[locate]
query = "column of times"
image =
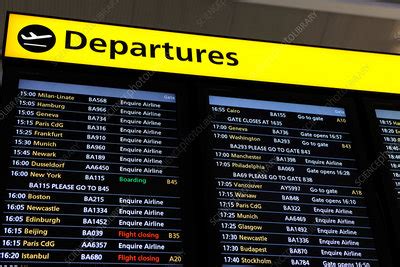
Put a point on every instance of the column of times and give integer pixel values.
(285, 186)
(389, 125)
(92, 179)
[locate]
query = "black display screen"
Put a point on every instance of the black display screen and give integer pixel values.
(389, 126)
(286, 195)
(92, 178)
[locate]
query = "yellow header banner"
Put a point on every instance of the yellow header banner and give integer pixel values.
(68, 41)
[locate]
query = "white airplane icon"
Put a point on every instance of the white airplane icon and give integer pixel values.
(33, 36)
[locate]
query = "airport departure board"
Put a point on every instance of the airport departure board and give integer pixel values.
(389, 125)
(285, 186)
(92, 178)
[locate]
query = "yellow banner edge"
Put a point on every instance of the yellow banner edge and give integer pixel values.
(378, 83)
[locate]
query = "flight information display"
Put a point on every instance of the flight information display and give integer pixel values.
(92, 178)
(285, 186)
(389, 125)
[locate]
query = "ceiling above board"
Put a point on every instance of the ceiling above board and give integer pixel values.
(367, 8)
